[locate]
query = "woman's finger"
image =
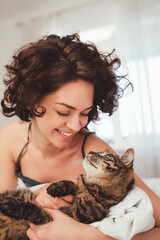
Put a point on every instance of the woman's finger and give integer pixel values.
(68, 198)
(47, 202)
(55, 214)
(31, 233)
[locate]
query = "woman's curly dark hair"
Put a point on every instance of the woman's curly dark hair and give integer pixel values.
(43, 67)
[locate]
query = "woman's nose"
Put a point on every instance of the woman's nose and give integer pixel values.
(74, 123)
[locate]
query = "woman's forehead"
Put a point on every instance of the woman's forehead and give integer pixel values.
(73, 94)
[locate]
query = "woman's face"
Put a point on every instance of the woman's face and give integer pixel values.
(67, 112)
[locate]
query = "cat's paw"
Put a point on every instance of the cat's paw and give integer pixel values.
(9, 207)
(62, 188)
(26, 210)
(54, 190)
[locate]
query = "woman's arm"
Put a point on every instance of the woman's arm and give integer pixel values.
(8, 179)
(64, 228)
(153, 197)
(152, 234)
(155, 232)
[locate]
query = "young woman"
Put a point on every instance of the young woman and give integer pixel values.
(56, 86)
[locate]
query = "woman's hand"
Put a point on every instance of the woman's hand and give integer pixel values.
(45, 200)
(64, 228)
(61, 228)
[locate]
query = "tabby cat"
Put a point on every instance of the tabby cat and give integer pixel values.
(107, 180)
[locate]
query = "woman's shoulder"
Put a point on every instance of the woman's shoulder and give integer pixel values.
(13, 134)
(13, 129)
(94, 143)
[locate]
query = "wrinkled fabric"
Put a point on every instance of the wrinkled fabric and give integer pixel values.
(129, 217)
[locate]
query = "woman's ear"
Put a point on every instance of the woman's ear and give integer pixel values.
(39, 110)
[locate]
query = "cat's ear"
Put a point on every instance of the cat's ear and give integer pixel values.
(128, 158)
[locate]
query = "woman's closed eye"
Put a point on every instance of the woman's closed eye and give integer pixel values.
(67, 114)
(85, 113)
(63, 114)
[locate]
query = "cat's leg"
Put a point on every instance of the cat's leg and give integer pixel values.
(13, 229)
(62, 188)
(85, 210)
(24, 210)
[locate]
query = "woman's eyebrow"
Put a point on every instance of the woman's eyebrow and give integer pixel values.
(71, 107)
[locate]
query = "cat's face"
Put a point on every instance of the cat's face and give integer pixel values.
(106, 165)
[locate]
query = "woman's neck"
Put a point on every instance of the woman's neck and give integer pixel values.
(41, 144)
(46, 148)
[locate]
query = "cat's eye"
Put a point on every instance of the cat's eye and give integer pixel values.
(112, 169)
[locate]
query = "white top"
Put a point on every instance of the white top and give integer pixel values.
(129, 217)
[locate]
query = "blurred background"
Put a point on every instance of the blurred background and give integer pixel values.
(132, 27)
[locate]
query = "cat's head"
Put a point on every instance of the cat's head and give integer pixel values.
(102, 165)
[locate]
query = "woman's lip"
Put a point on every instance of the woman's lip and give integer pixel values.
(64, 134)
(65, 131)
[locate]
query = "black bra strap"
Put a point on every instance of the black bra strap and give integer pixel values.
(84, 141)
(17, 163)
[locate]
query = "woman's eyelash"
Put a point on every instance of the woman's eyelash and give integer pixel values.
(85, 114)
(62, 114)
(66, 114)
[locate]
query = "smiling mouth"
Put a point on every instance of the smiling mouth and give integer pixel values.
(65, 133)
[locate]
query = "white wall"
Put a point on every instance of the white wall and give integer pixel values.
(23, 30)
(133, 28)
(10, 41)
